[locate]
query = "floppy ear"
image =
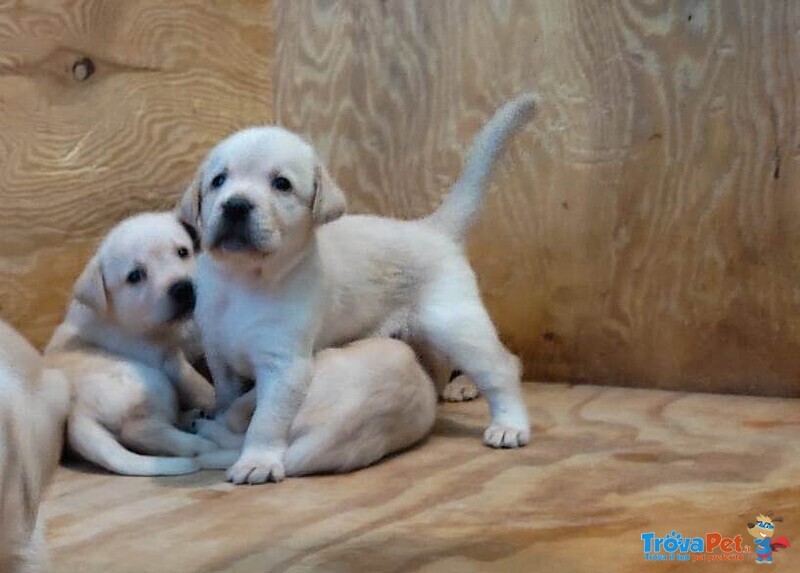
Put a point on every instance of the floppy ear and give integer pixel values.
(188, 209)
(90, 288)
(329, 202)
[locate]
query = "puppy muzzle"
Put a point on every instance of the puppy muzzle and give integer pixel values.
(237, 230)
(183, 298)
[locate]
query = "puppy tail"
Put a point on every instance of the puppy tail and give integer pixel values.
(218, 459)
(462, 204)
(96, 444)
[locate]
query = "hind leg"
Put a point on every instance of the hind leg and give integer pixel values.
(453, 320)
(435, 364)
(156, 437)
(228, 431)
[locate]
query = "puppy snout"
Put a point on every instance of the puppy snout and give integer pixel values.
(237, 208)
(182, 292)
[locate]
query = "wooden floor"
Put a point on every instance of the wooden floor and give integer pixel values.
(605, 465)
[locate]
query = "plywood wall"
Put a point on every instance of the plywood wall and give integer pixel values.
(105, 110)
(645, 230)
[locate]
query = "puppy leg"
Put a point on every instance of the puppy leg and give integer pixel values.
(228, 432)
(226, 383)
(156, 437)
(32, 557)
(453, 320)
(194, 391)
(280, 389)
(436, 364)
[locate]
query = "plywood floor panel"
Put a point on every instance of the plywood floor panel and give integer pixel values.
(605, 465)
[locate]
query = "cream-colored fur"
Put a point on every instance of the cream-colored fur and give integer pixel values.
(282, 275)
(365, 401)
(33, 408)
(120, 348)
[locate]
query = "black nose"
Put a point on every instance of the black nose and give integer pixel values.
(182, 292)
(236, 208)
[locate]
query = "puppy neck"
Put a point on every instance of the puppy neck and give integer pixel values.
(86, 327)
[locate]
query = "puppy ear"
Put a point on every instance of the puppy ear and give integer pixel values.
(329, 201)
(90, 288)
(192, 232)
(188, 209)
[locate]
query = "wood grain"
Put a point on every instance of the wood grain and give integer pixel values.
(105, 110)
(605, 465)
(644, 230)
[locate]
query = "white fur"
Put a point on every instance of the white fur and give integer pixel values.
(284, 284)
(121, 351)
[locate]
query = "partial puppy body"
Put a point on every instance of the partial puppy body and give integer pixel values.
(282, 275)
(365, 401)
(120, 348)
(33, 408)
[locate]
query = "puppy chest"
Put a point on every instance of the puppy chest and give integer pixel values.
(243, 329)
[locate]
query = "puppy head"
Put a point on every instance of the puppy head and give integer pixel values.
(141, 277)
(259, 195)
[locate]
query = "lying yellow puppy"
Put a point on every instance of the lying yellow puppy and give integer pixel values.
(120, 347)
(365, 401)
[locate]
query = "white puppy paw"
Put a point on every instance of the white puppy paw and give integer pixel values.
(257, 467)
(460, 389)
(503, 436)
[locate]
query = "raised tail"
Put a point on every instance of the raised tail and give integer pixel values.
(462, 204)
(96, 444)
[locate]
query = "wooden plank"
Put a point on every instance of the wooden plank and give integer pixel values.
(604, 466)
(78, 153)
(644, 230)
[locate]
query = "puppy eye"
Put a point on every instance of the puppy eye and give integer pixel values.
(136, 276)
(281, 184)
(219, 180)
(183, 252)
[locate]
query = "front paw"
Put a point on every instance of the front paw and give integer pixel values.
(257, 467)
(505, 436)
